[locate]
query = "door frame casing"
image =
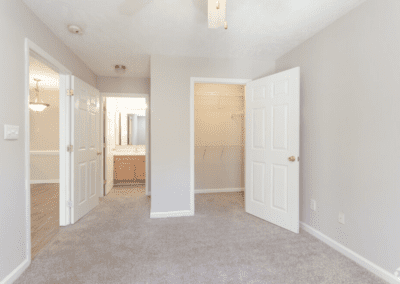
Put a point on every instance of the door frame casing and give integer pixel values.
(130, 95)
(194, 80)
(64, 106)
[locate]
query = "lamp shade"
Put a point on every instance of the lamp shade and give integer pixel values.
(37, 106)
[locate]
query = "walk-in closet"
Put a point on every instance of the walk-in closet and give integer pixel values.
(219, 137)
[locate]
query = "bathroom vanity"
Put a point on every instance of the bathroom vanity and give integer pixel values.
(129, 166)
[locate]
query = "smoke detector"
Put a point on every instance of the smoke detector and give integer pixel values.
(75, 30)
(120, 69)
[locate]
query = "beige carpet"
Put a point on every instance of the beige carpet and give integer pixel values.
(127, 191)
(118, 243)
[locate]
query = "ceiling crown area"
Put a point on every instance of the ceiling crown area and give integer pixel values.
(128, 32)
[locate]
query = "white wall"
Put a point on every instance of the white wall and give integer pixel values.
(18, 22)
(170, 133)
(350, 130)
(123, 85)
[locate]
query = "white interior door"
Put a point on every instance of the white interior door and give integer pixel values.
(85, 138)
(272, 148)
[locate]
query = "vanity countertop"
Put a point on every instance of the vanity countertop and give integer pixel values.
(129, 151)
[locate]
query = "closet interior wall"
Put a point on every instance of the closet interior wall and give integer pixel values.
(219, 136)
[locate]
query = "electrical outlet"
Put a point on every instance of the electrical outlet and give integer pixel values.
(341, 218)
(313, 204)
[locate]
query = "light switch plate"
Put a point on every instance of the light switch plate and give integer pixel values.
(11, 132)
(341, 218)
(313, 204)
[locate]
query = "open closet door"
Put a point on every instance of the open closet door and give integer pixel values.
(85, 138)
(272, 148)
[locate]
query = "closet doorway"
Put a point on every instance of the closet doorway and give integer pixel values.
(266, 158)
(219, 137)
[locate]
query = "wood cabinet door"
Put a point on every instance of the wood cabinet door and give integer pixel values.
(129, 169)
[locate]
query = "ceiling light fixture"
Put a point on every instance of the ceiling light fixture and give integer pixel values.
(120, 69)
(37, 105)
(217, 14)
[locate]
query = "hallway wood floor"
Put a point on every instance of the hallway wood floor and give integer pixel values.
(118, 243)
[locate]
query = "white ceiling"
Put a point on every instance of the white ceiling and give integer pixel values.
(129, 31)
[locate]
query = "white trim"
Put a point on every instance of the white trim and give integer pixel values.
(45, 181)
(63, 72)
(191, 145)
(110, 184)
(46, 153)
(375, 269)
(65, 157)
(218, 190)
(102, 162)
(182, 213)
(397, 273)
(194, 80)
(10, 278)
(226, 81)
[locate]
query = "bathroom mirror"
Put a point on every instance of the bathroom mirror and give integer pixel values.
(132, 129)
(136, 129)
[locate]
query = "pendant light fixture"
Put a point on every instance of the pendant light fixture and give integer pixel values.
(217, 14)
(37, 105)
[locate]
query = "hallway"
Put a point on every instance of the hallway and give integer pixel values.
(118, 243)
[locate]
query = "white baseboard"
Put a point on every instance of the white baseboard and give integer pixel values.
(375, 269)
(182, 213)
(10, 278)
(217, 190)
(109, 186)
(45, 181)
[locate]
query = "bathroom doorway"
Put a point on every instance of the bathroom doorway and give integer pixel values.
(126, 141)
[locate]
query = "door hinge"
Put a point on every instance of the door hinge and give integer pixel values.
(69, 204)
(70, 92)
(70, 148)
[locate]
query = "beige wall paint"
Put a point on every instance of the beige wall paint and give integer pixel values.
(44, 125)
(45, 167)
(170, 120)
(219, 136)
(17, 23)
(214, 106)
(123, 85)
(350, 130)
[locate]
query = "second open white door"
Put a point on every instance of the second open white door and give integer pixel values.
(272, 148)
(85, 138)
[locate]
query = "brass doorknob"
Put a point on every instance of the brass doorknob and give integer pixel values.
(292, 159)
(99, 153)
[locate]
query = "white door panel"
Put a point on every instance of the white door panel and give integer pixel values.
(272, 136)
(86, 178)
